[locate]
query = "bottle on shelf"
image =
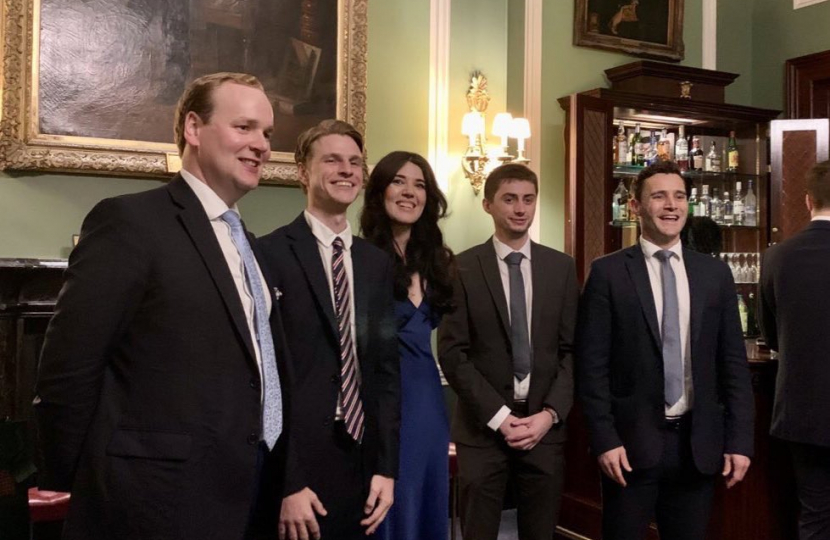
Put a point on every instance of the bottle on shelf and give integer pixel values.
(713, 159)
(732, 154)
(696, 155)
(738, 206)
(651, 151)
(743, 312)
(638, 144)
(621, 144)
(726, 214)
(750, 207)
(716, 207)
(693, 203)
(664, 146)
(752, 328)
(619, 203)
(629, 157)
(705, 205)
(681, 150)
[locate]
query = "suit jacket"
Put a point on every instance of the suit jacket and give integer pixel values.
(620, 362)
(148, 391)
(794, 316)
(474, 346)
(293, 256)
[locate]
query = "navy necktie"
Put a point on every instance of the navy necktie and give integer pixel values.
(519, 338)
(272, 395)
(672, 349)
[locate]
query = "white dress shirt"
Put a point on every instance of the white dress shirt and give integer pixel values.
(214, 208)
(686, 400)
(325, 238)
(820, 218)
(520, 388)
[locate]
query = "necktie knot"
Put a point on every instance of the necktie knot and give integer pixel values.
(338, 244)
(664, 255)
(232, 218)
(514, 259)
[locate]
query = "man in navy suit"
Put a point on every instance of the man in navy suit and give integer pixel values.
(795, 317)
(158, 400)
(662, 372)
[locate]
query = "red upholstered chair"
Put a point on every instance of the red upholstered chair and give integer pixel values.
(47, 505)
(453, 462)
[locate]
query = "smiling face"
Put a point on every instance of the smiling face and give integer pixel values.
(229, 150)
(406, 195)
(332, 174)
(662, 208)
(512, 208)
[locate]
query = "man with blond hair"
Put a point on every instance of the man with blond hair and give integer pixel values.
(158, 398)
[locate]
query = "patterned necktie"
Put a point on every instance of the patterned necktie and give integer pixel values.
(518, 317)
(672, 350)
(349, 383)
(272, 395)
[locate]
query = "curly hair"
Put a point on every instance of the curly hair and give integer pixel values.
(425, 251)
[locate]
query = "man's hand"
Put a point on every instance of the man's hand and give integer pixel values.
(734, 468)
(529, 431)
(612, 464)
(507, 428)
(297, 516)
(381, 497)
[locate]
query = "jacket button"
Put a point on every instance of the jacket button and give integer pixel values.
(255, 384)
(253, 438)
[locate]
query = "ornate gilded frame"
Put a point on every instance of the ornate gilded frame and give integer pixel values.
(672, 50)
(23, 147)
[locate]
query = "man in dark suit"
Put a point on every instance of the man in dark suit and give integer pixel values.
(795, 319)
(337, 304)
(158, 397)
(506, 351)
(662, 372)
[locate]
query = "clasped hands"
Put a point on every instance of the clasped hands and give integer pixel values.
(298, 515)
(525, 433)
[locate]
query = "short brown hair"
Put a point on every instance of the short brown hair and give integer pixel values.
(818, 185)
(508, 173)
(661, 167)
(198, 98)
(326, 127)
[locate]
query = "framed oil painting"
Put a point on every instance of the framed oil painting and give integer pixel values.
(91, 87)
(647, 28)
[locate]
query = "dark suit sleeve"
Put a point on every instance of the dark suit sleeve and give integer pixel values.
(388, 375)
(593, 357)
(104, 284)
(561, 393)
(734, 381)
(766, 302)
(453, 354)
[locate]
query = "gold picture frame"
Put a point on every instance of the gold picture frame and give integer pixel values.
(25, 147)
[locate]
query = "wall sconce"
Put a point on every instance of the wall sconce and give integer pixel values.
(478, 161)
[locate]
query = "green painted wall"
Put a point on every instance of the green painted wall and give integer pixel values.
(779, 33)
(735, 44)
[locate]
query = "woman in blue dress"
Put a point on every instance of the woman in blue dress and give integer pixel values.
(402, 207)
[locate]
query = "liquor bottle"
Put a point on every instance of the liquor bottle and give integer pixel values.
(693, 203)
(705, 205)
(738, 205)
(727, 213)
(743, 313)
(681, 150)
(752, 329)
(716, 207)
(664, 149)
(750, 207)
(629, 157)
(713, 159)
(638, 144)
(732, 155)
(651, 151)
(621, 155)
(696, 155)
(619, 203)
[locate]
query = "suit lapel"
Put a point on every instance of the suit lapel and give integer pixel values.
(304, 246)
(361, 288)
(490, 269)
(636, 265)
(539, 291)
(196, 223)
(697, 296)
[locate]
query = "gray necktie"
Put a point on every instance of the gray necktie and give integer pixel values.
(272, 396)
(672, 349)
(518, 317)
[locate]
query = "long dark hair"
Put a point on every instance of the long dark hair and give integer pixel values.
(425, 251)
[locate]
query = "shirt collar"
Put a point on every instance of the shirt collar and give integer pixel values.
(213, 204)
(326, 236)
(503, 250)
(821, 218)
(650, 248)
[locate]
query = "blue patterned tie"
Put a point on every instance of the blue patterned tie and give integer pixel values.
(272, 396)
(672, 349)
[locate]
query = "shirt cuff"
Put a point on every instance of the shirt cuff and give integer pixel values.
(496, 421)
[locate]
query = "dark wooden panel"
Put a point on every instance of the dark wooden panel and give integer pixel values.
(808, 86)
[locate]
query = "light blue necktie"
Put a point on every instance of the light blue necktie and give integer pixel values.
(272, 396)
(672, 349)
